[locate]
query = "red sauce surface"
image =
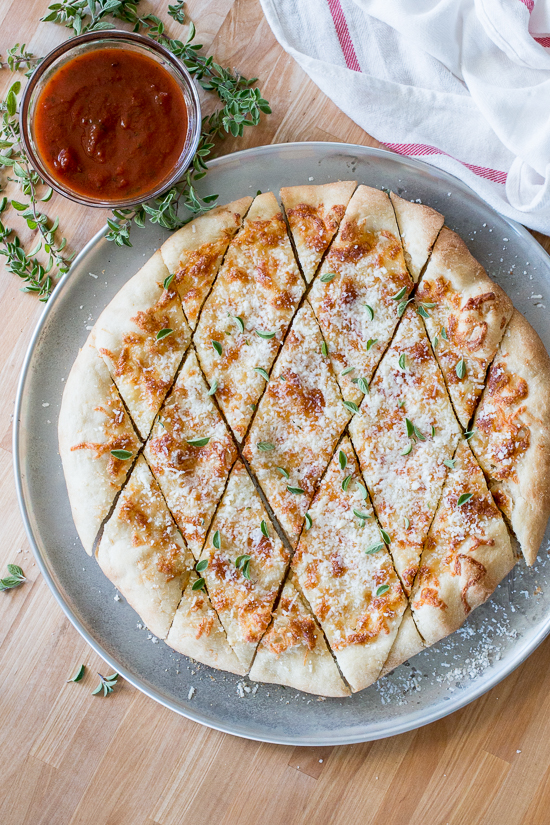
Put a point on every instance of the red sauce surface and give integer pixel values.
(110, 124)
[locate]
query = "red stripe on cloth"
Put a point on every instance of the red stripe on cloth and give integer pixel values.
(529, 3)
(544, 41)
(419, 149)
(344, 37)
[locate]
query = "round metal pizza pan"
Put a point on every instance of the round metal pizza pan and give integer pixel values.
(496, 638)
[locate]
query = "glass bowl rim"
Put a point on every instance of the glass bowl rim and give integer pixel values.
(115, 36)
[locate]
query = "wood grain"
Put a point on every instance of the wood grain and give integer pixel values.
(70, 758)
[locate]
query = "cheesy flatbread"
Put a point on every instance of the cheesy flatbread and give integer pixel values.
(197, 632)
(466, 314)
(407, 644)
(346, 573)
(298, 422)
(191, 452)
(194, 253)
(294, 652)
(142, 335)
(361, 289)
(245, 318)
(419, 226)
(467, 552)
(314, 214)
(511, 429)
(246, 565)
(405, 431)
(142, 552)
(92, 424)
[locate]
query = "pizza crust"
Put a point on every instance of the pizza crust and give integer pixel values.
(196, 632)
(467, 552)
(460, 299)
(142, 552)
(294, 652)
(194, 253)
(314, 214)
(141, 366)
(407, 644)
(92, 422)
(419, 226)
(511, 437)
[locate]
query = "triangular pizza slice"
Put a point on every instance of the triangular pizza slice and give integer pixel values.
(294, 653)
(246, 316)
(194, 253)
(511, 433)
(246, 562)
(419, 226)
(142, 335)
(346, 573)
(142, 551)
(197, 632)
(298, 423)
(97, 442)
(191, 452)
(361, 290)
(467, 552)
(314, 214)
(466, 314)
(407, 644)
(405, 432)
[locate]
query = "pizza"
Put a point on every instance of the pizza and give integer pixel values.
(306, 441)
(404, 433)
(246, 316)
(191, 452)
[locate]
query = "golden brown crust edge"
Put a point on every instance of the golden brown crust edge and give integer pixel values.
(523, 354)
(419, 227)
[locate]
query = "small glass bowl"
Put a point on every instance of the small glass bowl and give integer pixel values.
(128, 41)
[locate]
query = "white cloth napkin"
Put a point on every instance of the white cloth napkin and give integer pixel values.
(461, 84)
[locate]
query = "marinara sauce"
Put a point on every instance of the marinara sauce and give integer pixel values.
(111, 124)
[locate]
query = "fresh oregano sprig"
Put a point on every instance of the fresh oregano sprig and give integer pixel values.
(106, 684)
(15, 578)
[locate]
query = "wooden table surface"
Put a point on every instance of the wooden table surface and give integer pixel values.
(69, 757)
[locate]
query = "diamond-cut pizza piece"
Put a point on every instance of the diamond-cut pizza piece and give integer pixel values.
(294, 652)
(466, 314)
(194, 253)
(93, 423)
(246, 564)
(347, 575)
(298, 422)
(142, 335)
(512, 433)
(419, 226)
(360, 290)
(406, 429)
(467, 552)
(197, 632)
(314, 214)
(407, 644)
(190, 472)
(245, 317)
(142, 552)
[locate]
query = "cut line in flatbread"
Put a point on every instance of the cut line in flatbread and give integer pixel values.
(407, 644)
(419, 226)
(142, 552)
(467, 552)
(314, 214)
(361, 289)
(191, 452)
(194, 253)
(92, 424)
(465, 314)
(143, 335)
(245, 318)
(197, 632)
(293, 651)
